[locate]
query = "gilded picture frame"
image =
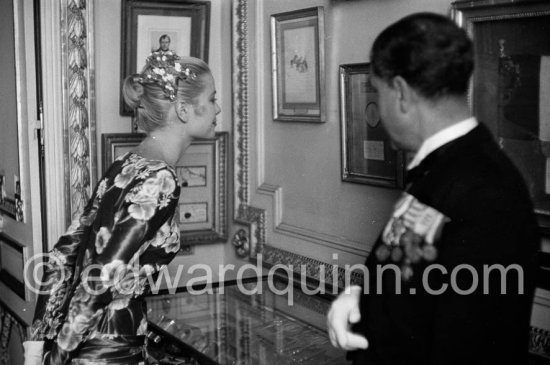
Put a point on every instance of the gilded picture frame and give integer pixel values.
(367, 153)
(298, 65)
(202, 176)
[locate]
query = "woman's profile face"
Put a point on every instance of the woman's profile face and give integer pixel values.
(202, 117)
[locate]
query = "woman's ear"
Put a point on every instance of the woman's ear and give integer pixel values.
(182, 110)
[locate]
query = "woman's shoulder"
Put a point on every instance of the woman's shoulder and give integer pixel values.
(133, 167)
(131, 171)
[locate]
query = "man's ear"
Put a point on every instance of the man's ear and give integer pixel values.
(182, 111)
(405, 94)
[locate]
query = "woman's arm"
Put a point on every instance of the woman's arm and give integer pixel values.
(119, 242)
(58, 276)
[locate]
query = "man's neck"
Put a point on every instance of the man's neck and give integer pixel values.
(436, 116)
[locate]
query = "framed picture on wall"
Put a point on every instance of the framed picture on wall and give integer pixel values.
(510, 90)
(367, 153)
(297, 41)
(181, 27)
(202, 177)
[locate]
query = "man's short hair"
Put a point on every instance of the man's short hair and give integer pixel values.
(165, 36)
(431, 52)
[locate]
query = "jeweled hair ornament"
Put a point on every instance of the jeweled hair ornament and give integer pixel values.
(165, 69)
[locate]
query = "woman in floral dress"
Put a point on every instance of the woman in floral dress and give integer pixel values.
(91, 308)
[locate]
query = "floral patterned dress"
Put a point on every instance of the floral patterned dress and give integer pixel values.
(91, 308)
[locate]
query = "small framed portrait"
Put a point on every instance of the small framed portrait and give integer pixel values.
(510, 88)
(367, 153)
(179, 27)
(201, 174)
(297, 42)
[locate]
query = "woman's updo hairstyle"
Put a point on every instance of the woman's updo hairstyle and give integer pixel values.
(165, 78)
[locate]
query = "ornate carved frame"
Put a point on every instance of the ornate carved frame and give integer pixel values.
(79, 103)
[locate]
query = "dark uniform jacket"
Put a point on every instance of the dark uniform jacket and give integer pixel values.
(465, 209)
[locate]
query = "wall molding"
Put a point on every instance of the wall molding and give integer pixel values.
(290, 230)
(69, 110)
(78, 103)
(316, 270)
(240, 105)
(251, 217)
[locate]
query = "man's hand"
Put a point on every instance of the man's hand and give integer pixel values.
(344, 312)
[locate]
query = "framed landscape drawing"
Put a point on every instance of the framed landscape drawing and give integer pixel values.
(297, 41)
(181, 27)
(510, 90)
(202, 176)
(367, 153)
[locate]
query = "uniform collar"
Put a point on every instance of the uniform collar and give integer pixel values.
(441, 138)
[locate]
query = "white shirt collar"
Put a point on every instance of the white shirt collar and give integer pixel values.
(441, 138)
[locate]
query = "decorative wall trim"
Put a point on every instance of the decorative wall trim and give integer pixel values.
(8, 322)
(240, 104)
(241, 243)
(253, 218)
(320, 271)
(79, 103)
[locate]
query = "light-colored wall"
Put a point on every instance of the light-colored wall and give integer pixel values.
(304, 159)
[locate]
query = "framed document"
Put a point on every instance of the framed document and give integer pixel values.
(297, 41)
(367, 153)
(201, 174)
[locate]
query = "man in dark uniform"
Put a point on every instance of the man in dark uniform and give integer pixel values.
(451, 277)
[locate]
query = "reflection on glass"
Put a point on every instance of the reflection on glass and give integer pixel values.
(237, 328)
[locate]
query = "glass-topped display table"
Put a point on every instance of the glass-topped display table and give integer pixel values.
(231, 326)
